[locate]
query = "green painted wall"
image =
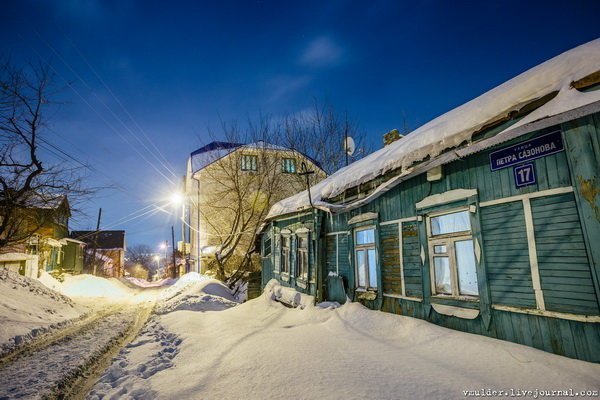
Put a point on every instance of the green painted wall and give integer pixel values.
(566, 229)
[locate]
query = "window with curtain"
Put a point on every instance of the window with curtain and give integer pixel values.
(288, 165)
(365, 258)
(249, 162)
(452, 255)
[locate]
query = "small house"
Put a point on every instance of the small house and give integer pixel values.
(485, 220)
(105, 249)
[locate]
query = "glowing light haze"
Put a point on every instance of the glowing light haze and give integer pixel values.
(144, 81)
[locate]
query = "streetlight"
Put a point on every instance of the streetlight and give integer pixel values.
(157, 259)
(178, 198)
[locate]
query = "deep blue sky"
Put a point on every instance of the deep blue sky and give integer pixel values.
(178, 68)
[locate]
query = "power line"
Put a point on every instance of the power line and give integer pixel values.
(168, 165)
(99, 114)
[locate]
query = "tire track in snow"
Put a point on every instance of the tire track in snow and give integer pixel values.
(50, 370)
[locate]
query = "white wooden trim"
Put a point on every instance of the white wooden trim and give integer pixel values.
(397, 296)
(453, 311)
(446, 197)
(396, 221)
(551, 314)
(337, 254)
(520, 197)
(336, 233)
(403, 288)
(533, 261)
(363, 217)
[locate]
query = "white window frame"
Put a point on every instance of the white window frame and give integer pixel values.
(448, 240)
(365, 247)
(285, 255)
(302, 257)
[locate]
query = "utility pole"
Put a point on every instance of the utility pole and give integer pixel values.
(173, 240)
(96, 240)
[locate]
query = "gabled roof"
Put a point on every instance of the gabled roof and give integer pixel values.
(44, 201)
(449, 136)
(106, 239)
(214, 151)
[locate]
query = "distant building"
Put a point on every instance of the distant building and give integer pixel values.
(207, 168)
(44, 243)
(110, 245)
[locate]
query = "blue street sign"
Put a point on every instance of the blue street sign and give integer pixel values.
(524, 175)
(528, 150)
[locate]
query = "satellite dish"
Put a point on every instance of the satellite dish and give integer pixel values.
(349, 145)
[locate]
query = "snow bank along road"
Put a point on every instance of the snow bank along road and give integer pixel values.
(62, 365)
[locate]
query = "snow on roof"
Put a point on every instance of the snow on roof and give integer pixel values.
(458, 125)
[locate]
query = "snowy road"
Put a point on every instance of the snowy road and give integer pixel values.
(66, 364)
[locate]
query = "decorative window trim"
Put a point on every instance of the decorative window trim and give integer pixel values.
(459, 312)
(448, 241)
(304, 235)
(365, 247)
(285, 234)
(363, 217)
(447, 197)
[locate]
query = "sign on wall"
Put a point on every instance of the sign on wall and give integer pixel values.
(524, 175)
(528, 150)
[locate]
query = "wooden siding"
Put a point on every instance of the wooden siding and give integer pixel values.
(411, 257)
(565, 228)
(390, 257)
(331, 251)
(562, 259)
(506, 253)
(564, 337)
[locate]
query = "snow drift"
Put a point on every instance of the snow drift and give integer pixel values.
(28, 309)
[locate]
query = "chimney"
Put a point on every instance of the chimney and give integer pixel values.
(391, 137)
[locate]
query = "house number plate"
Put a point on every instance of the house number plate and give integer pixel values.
(524, 175)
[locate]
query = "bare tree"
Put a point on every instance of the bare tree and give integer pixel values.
(239, 189)
(235, 200)
(140, 257)
(26, 182)
(319, 133)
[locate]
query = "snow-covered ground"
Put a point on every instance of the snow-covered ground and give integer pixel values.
(262, 350)
(201, 344)
(28, 309)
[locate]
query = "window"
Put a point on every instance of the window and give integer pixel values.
(288, 165)
(302, 257)
(285, 254)
(452, 255)
(365, 258)
(266, 246)
(249, 162)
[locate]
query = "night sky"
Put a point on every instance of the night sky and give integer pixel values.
(144, 81)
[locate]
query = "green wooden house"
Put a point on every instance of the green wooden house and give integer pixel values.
(485, 220)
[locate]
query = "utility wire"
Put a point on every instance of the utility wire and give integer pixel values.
(168, 165)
